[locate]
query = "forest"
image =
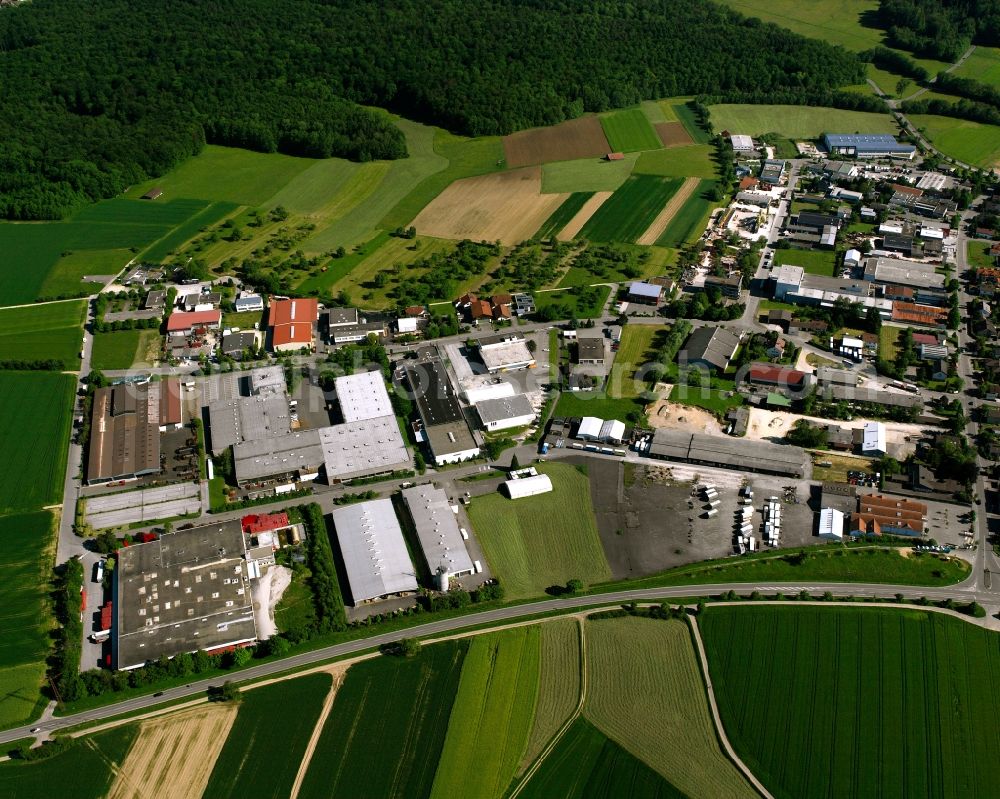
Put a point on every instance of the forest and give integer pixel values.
(941, 29)
(101, 95)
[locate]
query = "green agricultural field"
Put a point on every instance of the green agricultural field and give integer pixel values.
(160, 250)
(596, 403)
(686, 117)
(837, 22)
(815, 262)
(691, 220)
(35, 417)
(385, 733)
(656, 112)
(797, 121)
(66, 276)
(635, 349)
(284, 712)
(558, 684)
(492, 715)
(693, 161)
(563, 214)
(586, 174)
(645, 692)
(227, 174)
(84, 771)
(576, 302)
(630, 210)
(340, 268)
(857, 702)
(244, 320)
(629, 131)
(26, 570)
(983, 65)
(121, 349)
(970, 142)
(40, 332)
(586, 764)
(541, 541)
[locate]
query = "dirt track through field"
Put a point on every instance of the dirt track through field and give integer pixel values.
(505, 206)
(173, 756)
(658, 225)
(338, 679)
(577, 138)
(673, 134)
(575, 225)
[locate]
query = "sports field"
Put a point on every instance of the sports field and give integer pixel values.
(635, 349)
(121, 349)
(563, 214)
(35, 417)
(692, 161)
(284, 714)
(586, 174)
(690, 221)
(971, 142)
(631, 209)
(576, 138)
(645, 692)
(815, 262)
(629, 131)
(40, 332)
(25, 573)
(384, 735)
(857, 702)
(541, 541)
(492, 715)
(797, 121)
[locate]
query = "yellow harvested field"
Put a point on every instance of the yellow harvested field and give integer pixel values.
(173, 756)
(582, 216)
(505, 206)
(658, 225)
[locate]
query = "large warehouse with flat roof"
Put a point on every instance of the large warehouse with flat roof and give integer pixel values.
(438, 531)
(374, 552)
(730, 453)
(186, 591)
(363, 449)
(447, 432)
(124, 434)
(362, 396)
(867, 145)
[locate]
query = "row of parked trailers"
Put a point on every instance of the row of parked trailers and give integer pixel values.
(772, 521)
(712, 501)
(745, 540)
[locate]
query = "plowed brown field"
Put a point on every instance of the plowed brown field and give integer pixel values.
(577, 138)
(673, 134)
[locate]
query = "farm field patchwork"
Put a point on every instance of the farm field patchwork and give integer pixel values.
(492, 715)
(646, 693)
(629, 131)
(284, 712)
(384, 735)
(40, 332)
(815, 262)
(691, 161)
(84, 771)
(525, 560)
(576, 138)
(797, 121)
(587, 210)
(164, 247)
(636, 348)
(673, 134)
(586, 174)
(971, 142)
(25, 574)
(871, 701)
(35, 416)
(663, 219)
(121, 349)
(631, 209)
(563, 214)
(686, 117)
(690, 221)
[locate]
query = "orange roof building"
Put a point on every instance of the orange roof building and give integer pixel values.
(925, 315)
(292, 323)
(186, 321)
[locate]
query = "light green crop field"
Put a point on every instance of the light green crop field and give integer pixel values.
(28, 542)
(645, 691)
(492, 715)
(797, 121)
(40, 332)
(537, 542)
(693, 161)
(636, 349)
(655, 112)
(628, 212)
(667, 110)
(558, 684)
(887, 338)
(629, 131)
(121, 349)
(66, 275)
(180, 235)
(690, 221)
(586, 174)
(983, 65)
(563, 214)
(857, 702)
(971, 142)
(35, 417)
(815, 262)
(228, 174)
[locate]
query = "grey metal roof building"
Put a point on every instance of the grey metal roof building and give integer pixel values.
(867, 145)
(713, 346)
(445, 427)
(730, 453)
(438, 531)
(516, 409)
(362, 396)
(374, 551)
(246, 419)
(235, 343)
(280, 457)
(901, 272)
(125, 434)
(186, 591)
(362, 448)
(590, 350)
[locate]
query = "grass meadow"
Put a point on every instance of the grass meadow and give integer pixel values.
(686, 117)
(558, 684)
(629, 131)
(888, 337)
(341, 268)
(971, 142)
(35, 416)
(983, 65)
(856, 702)
(84, 771)
(492, 715)
(384, 735)
(978, 253)
(690, 221)
(596, 403)
(629, 211)
(837, 22)
(65, 278)
(636, 349)
(541, 541)
(25, 573)
(580, 306)
(692, 161)
(39, 332)
(797, 121)
(657, 260)
(281, 715)
(713, 400)
(815, 262)
(645, 691)
(121, 349)
(563, 214)
(586, 174)
(161, 249)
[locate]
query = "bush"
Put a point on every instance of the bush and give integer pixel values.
(330, 614)
(65, 669)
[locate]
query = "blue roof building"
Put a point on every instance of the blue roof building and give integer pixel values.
(867, 145)
(644, 292)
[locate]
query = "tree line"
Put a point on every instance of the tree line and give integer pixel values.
(941, 29)
(105, 95)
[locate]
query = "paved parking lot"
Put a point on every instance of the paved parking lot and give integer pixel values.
(143, 505)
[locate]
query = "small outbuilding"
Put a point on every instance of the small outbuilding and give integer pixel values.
(528, 486)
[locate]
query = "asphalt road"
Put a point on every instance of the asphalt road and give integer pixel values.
(499, 615)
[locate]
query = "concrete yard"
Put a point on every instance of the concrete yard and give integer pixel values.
(143, 505)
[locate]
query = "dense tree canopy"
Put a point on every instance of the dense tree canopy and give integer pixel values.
(941, 29)
(97, 96)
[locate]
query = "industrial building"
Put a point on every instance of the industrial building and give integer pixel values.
(445, 428)
(902, 272)
(355, 333)
(167, 395)
(711, 346)
(374, 552)
(235, 344)
(730, 453)
(590, 350)
(437, 530)
(792, 284)
(185, 322)
(741, 143)
(506, 412)
(871, 437)
(293, 456)
(505, 353)
(185, 591)
(362, 396)
(782, 376)
(831, 524)
(124, 433)
(867, 145)
(647, 293)
(772, 172)
(246, 419)
(609, 431)
(292, 324)
(363, 448)
(878, 514)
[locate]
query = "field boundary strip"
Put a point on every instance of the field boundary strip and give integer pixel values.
(659, 225)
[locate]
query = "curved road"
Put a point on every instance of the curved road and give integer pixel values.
(143, 703)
